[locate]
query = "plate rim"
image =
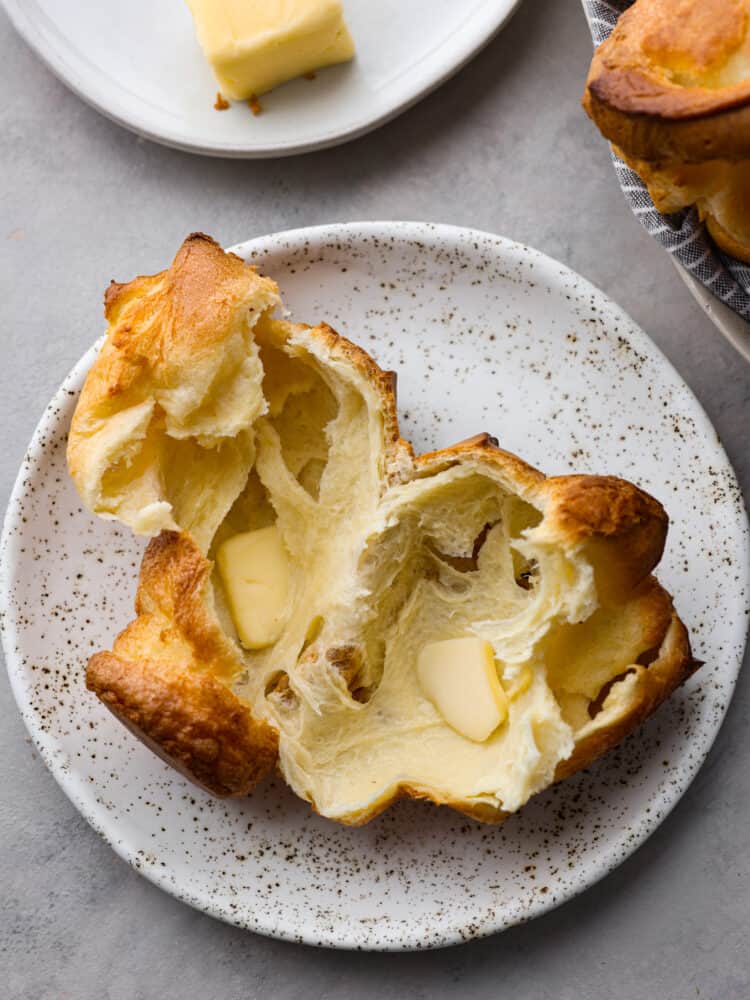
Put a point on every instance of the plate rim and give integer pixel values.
(497, 13)
(727, 322)
(604, 862)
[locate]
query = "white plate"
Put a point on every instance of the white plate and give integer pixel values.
(485, 335)
(139, 63)
(734, 328)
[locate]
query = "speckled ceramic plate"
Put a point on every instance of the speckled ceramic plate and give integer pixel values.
(485, 335)
(139, 63)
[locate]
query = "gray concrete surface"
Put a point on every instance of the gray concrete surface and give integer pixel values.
(503, 147)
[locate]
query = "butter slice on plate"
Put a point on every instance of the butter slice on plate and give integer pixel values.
(254, 45)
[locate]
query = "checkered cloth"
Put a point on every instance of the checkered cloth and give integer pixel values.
(681, 234)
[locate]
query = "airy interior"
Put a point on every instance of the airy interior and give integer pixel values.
(374, 574)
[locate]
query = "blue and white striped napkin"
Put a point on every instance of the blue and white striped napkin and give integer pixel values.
(682, 234)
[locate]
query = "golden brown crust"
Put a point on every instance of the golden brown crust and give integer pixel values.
(663, 84)
(623, 528)
(606, 507)
(173, 605)
(161, 326)
(713, 136)
(200, 286)
(167, 676)
(190, 720)
(482, 448)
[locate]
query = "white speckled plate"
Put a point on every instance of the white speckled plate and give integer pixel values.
(485, 335)
(139, 63)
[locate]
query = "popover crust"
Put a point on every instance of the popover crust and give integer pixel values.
(163, 678)
(178, 678)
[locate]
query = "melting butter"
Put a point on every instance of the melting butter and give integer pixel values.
(459, 677)
(255, 573)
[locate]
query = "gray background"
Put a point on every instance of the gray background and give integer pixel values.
(503, 147)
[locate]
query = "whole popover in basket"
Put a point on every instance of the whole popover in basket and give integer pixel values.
(670, 89)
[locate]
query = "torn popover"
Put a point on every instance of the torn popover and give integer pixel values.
(452, 626)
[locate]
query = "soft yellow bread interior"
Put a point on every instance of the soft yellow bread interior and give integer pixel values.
(368, 557)
(459, 550)
(162, 436)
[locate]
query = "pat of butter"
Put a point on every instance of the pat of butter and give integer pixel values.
(254, 45)
(254, 570)
(459, 677)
